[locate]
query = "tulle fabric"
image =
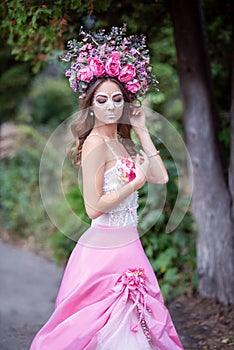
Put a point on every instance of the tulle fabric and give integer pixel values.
(116, 335)
(107, 293)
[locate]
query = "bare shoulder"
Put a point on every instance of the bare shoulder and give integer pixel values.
(94, 144)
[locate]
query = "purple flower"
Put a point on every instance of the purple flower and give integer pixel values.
(68, 73)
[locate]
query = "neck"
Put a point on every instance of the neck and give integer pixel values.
(109, 130)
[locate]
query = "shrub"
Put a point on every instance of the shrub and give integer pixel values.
(172, 255)
(50, 102)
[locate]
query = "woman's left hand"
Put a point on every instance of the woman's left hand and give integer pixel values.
(137, 119)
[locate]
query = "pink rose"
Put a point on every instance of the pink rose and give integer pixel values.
(113, 64)
(127, 73)
(96, 66)
(133, 86)
(85, 74)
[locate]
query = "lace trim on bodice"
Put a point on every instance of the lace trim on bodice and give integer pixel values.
(125, 214)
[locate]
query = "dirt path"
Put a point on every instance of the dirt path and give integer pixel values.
(29, 284)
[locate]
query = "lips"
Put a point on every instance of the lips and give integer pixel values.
(111, 115)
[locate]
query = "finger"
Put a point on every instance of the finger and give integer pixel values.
(132, 109)
(140, 159)
(137, 158)
(135, 111)
(144, 155)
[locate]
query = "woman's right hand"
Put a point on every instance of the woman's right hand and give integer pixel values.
(142, 167)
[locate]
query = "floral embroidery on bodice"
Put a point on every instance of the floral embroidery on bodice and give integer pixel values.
(125, 214)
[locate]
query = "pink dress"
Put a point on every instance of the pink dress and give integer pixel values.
(109, 298)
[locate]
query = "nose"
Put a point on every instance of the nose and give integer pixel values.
(110, 104)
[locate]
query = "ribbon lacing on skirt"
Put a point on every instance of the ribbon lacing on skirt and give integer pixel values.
(132, 285)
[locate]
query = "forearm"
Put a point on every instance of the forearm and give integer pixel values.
(106, 202)
(157, 172)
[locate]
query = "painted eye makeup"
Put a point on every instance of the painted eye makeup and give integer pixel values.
(103, 100)
(118, 99)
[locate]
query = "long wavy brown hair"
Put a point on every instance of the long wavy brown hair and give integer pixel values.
(84, 122)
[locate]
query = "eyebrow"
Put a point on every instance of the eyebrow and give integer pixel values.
(115, 93)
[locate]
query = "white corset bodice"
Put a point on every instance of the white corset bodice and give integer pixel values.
(125, 214)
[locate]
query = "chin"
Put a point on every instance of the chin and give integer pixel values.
(112, 119)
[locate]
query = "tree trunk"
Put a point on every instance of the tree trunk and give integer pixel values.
(231, 168)
(211, 202)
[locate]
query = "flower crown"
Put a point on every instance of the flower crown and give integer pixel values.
(109, 55)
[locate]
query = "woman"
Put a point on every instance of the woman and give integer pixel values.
(109, 298)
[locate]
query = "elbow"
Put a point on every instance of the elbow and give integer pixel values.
(160, 176)
(165, 179)
(162, 181)
(92, 213)
(159, 180)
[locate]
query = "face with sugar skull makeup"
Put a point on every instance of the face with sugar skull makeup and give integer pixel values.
(108, 103)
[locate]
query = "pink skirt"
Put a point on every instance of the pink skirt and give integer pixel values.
(109, 298)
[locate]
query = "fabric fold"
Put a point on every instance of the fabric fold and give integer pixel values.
(109, 299)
